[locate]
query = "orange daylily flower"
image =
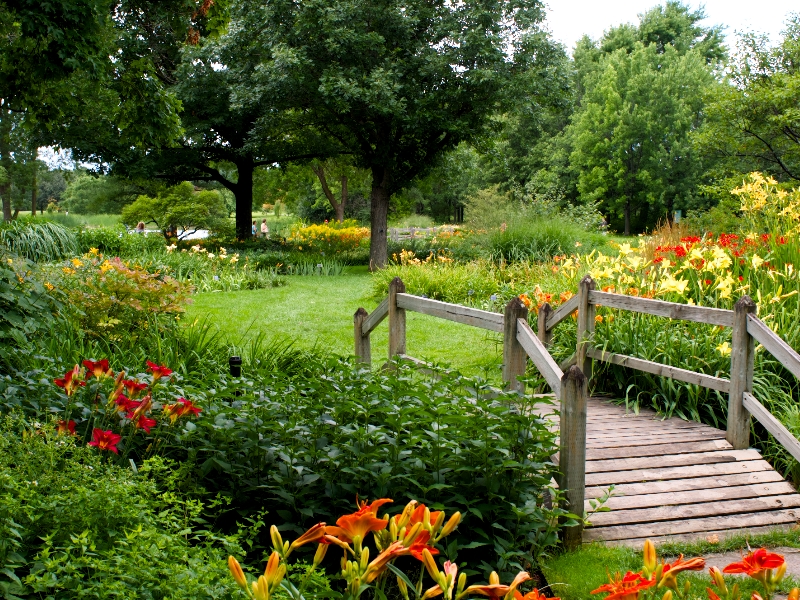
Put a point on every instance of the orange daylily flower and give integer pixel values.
(315, 534)
(625, 588)
(359, 523)
(378, 565)
(65, 427)
(495, 589)
(755, 564)
(532, 595)
(421, 543)
(693, 564)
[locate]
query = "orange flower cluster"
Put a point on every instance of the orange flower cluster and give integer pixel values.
(767, 567)
(413, 532)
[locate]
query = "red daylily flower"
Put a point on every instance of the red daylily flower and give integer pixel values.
(133, 387)
(755, 563)
(158, 371)
(181, 407)
(360, 523)
(65, 427)
(625, 588)
(105, 440)
(71, 381)
(99, 368)
(126, 405)
(143, 422)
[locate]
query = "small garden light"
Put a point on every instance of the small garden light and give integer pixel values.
(235, 365)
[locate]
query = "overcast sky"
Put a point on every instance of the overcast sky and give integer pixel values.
(570, 19)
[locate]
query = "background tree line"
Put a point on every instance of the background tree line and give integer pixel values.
(357, 109)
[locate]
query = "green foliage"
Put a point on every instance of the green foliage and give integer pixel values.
(753, 122)
(72, 525)
(179, 207)
(631, 135)
(25, 304)
(38, 241)
(90, 194)
(539, 240)
(117, 241)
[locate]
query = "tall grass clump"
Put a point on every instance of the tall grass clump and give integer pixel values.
(39, 241)
(524, 239)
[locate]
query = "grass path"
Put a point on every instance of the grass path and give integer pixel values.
(319, 311)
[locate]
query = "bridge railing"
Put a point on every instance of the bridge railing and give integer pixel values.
(568, 382)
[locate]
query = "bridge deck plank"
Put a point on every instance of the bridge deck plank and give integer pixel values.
(675, 479)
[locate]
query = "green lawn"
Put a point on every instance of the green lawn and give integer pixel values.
(319, 311)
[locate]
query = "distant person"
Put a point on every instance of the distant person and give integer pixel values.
(264, 229)
(254, 229)
(140, 227)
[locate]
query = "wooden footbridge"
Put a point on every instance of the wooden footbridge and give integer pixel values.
(673, 479)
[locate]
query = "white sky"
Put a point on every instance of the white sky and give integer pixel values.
(570, 19)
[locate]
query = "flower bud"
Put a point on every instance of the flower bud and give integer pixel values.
(413, 534)
(494, 578)
(439, 521)
(451, 524)
(236, 571)
(779, 573)
(649, 556)
(794, 594)
(667, 595)
(462, 582)
(403, 587)
(393, 531)
(277, 541)
(430, 564)
(319, 555)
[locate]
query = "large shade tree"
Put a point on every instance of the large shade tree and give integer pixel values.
(394, 83)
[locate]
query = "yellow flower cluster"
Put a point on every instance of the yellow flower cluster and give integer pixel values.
(767, 206)
(408, 258)
(328, 238)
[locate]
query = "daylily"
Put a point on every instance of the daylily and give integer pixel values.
(359, 523)
(532, 595)
(158, 371)
(133, 387)
(671, 570)
(315, 534)
(105, 440)
(143, 422)
(495, 589)
(420, 544)
(65, 427)
(99, 368)
(625, 588)
(181, 407)
(378, 565)
(126, 405)
(236, 571)
(71, 381)
(756, 564)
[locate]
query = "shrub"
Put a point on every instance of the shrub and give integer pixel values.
(38, 241)
(540, 240)
(304, 446)
(72, 526)
(116, 241)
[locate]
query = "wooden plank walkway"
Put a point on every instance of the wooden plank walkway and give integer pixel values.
(676, 479)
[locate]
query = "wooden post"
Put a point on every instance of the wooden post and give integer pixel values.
(397, 319)
(545, 336)
(585, 325)
(514, 357)
(742, 358)
(363, 350)
(572, 451)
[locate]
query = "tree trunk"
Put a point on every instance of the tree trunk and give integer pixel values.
(627, 217)
(243, 190)
(34, 189)
(379, 215)
(5, 161)
(340, 208)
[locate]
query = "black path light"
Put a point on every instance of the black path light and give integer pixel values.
(235, 365)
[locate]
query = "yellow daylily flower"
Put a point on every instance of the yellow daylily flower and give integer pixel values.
(670, 284)
(724, 349)
(756, 261)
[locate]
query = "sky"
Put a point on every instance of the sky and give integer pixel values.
(570, 19)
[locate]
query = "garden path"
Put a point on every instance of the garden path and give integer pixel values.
(676, 479)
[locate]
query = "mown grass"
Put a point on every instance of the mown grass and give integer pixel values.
(573, 575)
(318, 312)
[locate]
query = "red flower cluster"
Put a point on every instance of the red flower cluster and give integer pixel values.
(180, 408)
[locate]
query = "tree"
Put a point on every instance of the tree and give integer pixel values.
(631, 136)
(753, 119)
(178, 208)
(394, 83)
